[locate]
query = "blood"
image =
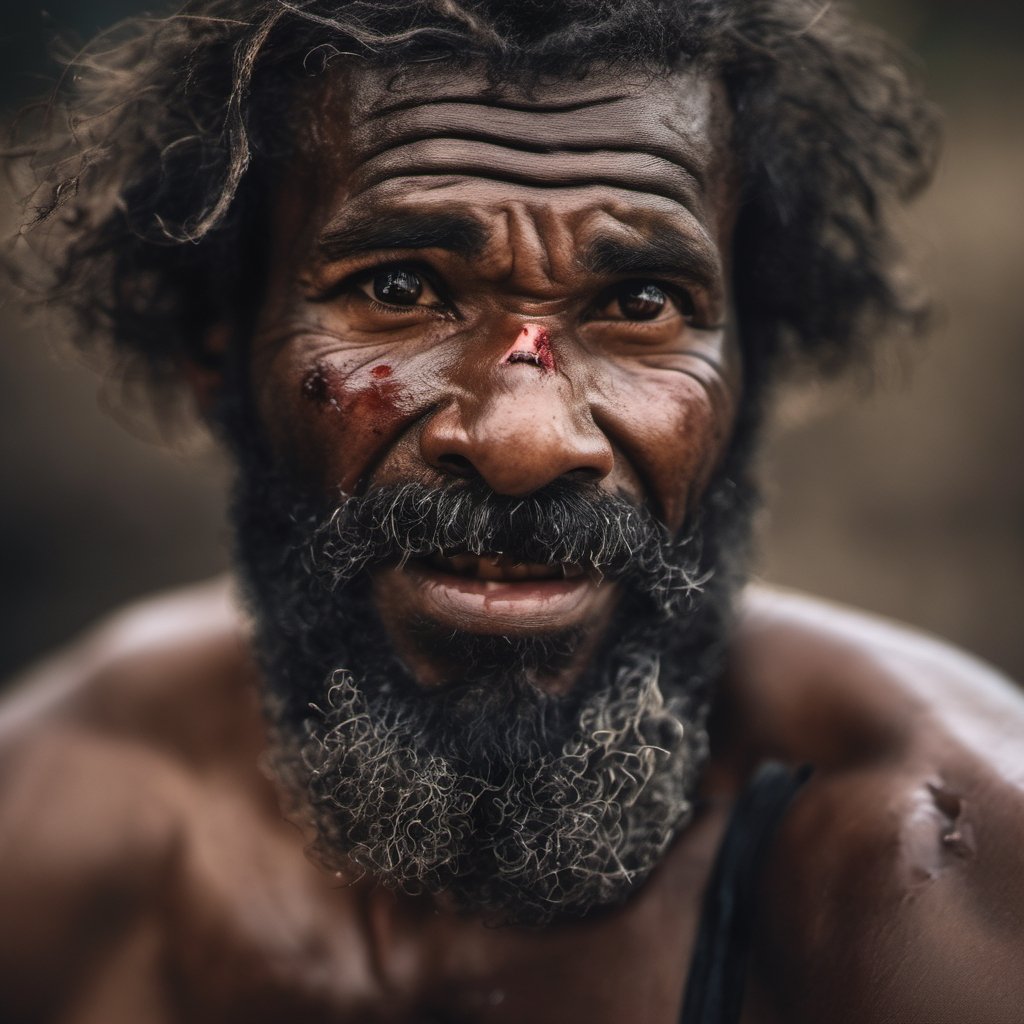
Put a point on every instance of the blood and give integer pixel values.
(533, 346)
(375, 407)
(370, 410)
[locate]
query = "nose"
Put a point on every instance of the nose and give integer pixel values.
(525, 432)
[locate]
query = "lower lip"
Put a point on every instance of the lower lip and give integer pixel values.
(494, 606)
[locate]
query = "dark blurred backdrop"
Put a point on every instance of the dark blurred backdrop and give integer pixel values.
(909, 502)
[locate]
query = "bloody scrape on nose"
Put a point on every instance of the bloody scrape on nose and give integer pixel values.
(533, 347)
(515, 429)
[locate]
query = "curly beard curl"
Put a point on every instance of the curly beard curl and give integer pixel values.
(504, 828)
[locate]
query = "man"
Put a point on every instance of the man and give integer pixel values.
(486, 301)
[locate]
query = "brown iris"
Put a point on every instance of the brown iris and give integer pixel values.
(639, 300)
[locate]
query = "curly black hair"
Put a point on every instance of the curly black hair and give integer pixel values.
(150, 165)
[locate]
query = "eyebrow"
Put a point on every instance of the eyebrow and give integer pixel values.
(456, 232)
(669, 252)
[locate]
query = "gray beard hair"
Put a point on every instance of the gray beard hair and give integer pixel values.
(518, 840)
(490, 794)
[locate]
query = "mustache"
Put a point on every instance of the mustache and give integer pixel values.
(565, 523)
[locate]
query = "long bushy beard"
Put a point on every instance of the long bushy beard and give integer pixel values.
(506, 800)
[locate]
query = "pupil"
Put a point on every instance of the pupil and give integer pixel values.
(397, 287)
(642, 301)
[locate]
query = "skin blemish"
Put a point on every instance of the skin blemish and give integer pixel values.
(533, 346)
(314, 385)
(381, 372)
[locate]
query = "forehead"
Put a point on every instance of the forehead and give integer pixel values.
(635, 148)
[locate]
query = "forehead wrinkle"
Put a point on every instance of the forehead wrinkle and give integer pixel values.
(651, 145)
(537, 107)
(632, 171)
(667, 116)
(622, 130)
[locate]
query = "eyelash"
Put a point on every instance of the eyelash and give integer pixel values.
(381, 307)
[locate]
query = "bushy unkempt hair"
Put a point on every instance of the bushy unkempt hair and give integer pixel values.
(153, 163)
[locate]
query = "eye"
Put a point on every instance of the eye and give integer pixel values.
(397, 286)
(641, 301)
(645, 300)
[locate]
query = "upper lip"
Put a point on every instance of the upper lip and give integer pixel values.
(493, 566)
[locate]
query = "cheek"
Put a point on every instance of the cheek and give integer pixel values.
(333, 418)
(673, 428)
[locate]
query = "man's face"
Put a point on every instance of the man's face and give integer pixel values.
(482, 507)
(510, 288)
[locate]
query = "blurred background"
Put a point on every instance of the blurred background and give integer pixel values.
(908, 501)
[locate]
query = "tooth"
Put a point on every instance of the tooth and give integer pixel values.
(464, 564)
(487, 568)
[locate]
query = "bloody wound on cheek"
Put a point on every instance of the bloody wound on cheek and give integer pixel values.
(532, 346)
(371, 405)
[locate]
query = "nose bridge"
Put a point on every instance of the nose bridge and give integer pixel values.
(517, 421)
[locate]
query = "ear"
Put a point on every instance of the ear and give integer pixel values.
(204, 370)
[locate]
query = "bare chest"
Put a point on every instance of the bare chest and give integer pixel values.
(254, 932)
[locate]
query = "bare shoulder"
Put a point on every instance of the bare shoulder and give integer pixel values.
(134, 671)
(163, 688)
(820, 682)
(102, 750)
(895, 889)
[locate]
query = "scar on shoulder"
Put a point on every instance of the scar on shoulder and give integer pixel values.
(957, 835)
(532, 346)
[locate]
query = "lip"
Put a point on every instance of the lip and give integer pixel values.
(504, 606)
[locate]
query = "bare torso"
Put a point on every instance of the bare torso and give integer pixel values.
(147, 873)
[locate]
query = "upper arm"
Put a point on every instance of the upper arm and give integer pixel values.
(896, 888)
(102, 748)
(85, 823)
(892, 897)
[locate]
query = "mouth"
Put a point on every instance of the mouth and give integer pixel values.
(494, 594)
(490, 568)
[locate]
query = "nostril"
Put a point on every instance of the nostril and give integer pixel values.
(585, 475)
(456, 465)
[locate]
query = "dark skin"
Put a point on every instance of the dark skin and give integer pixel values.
(145, 865)
(615, 259)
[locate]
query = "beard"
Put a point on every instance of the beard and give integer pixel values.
(488, 792)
